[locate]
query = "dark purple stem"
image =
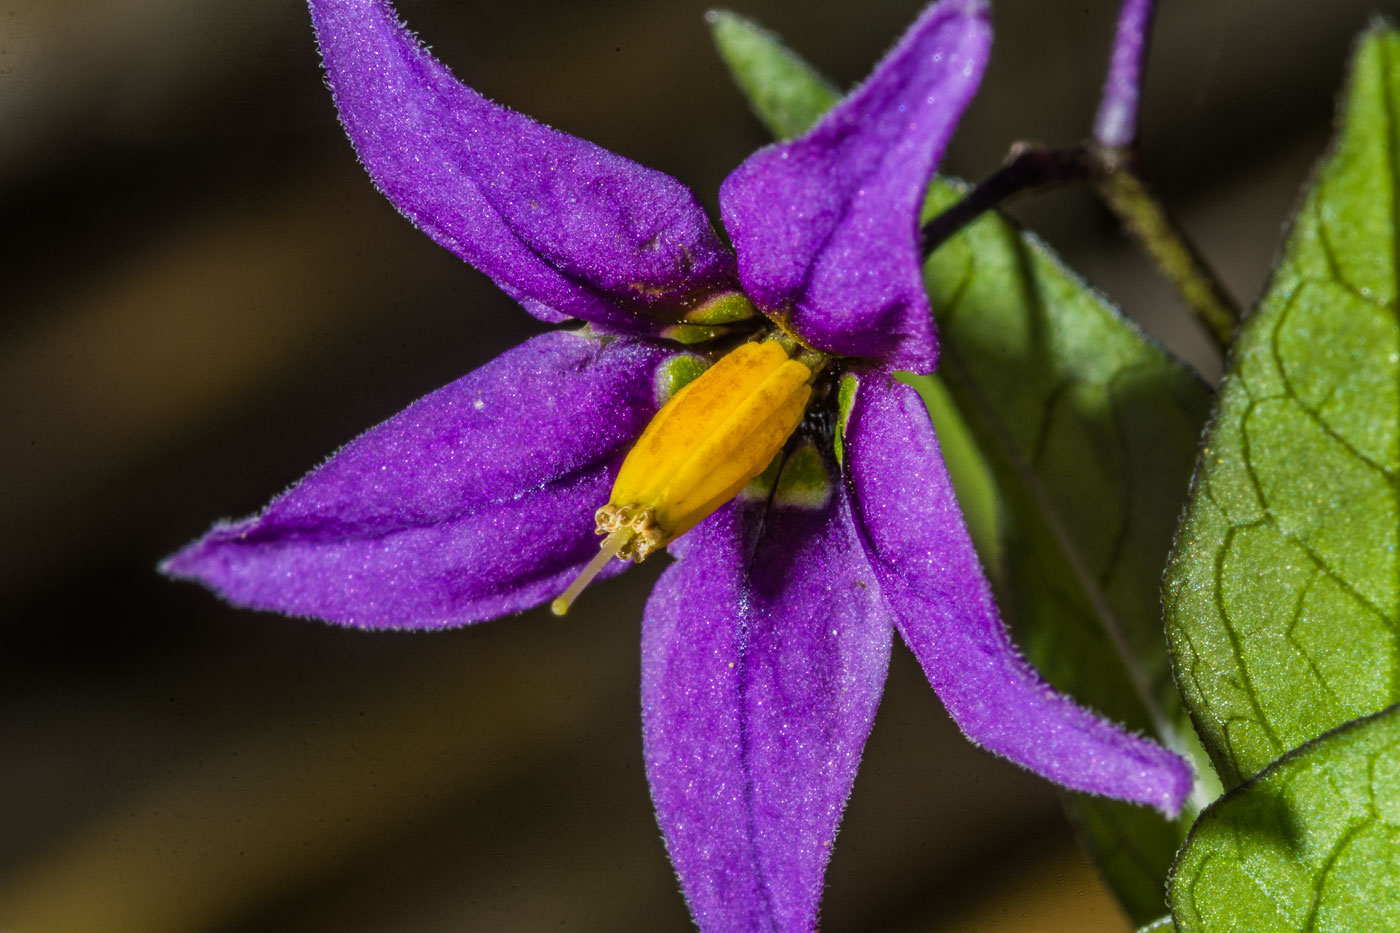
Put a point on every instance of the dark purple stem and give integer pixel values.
(1117, 181)
(1109, 162)
(1028, 168)
(1115, 127)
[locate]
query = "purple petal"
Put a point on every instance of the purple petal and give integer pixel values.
(1115, 125)
(764, 652)
(826, 226)
(932, 580)
(566, 227)
(475, 501)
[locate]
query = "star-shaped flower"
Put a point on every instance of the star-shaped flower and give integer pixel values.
(765, 646)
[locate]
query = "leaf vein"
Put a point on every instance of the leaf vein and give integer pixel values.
(1291, 395)
(1328, 863)
(1235, 646)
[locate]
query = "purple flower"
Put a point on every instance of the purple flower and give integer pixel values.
(765, 645)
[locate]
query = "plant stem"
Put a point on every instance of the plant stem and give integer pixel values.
(1119, 184)
(1125, 192)
(1028, 168)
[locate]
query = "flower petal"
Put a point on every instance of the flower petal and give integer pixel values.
(826, 226)
(943, 607)
(475, 501)
(564, 226)
(764, 653)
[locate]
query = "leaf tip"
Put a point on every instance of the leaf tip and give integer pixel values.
(727, 25)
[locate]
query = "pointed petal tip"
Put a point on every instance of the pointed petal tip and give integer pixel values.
(977, 12)
(930, 576)
(1085, 753)
(207, 559)
(190, 562)
(1181, 780)
(169, 565)
(846, 269)
(977, 15)
(1162, 780)
(448, 513)
(967, 9)
(212, 561)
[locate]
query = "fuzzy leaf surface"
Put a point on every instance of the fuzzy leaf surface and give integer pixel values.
(1311, 843)
(1283, 595)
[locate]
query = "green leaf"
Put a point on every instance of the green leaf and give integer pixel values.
(1283, 595)
(1164, 925)
(1090, 431)
(1312, 843)
(786, 93)
(1087, 431)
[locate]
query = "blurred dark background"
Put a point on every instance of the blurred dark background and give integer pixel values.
(202, 296)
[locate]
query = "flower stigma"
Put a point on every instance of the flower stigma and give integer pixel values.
(706, 444)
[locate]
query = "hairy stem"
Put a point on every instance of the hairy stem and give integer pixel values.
(1028, 168)
(1123, 189)
(1118, 183)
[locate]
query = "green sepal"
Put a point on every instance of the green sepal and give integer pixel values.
(724, 308)
(675, 372)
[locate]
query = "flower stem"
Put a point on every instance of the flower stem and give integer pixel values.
(1125, 192)
(1119, 184)
(1028, 168)
(1110, 162)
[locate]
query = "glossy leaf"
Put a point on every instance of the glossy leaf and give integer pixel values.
(1087, 430)
(1283, 596)
(1312, 843)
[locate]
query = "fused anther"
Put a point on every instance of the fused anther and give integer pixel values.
(706, 444)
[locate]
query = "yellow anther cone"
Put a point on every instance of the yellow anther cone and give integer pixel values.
(704, 445)
(714, 436)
